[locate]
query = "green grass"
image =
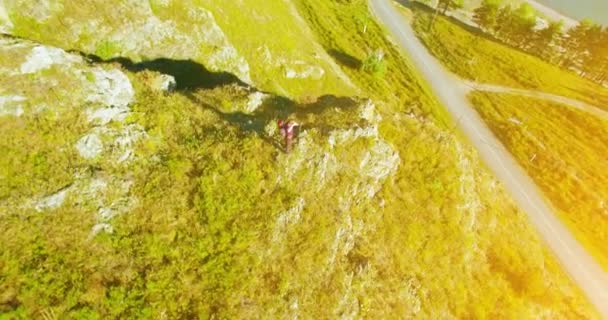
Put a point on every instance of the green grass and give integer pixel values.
(474, 57)
(266, 33)
(422, 197)
(572, 180)
(352, 35)
(107, 50)
(211, 190)
(201, 240)
(563, 150)
(35, 166)
(272, 39)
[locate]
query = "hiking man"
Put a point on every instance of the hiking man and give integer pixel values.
(287, 129)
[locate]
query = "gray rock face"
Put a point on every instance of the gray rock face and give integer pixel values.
(5, 23)
(165, 83)
(255, 100)
(89, 146)
(11, 105)
(103, 94)
(101, 227)
(51, 202)
(358, 152)
(137, 30)
(110, 88)
(43, 57)
(300, 70)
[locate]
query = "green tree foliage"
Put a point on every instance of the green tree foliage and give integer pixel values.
(594, 53)
(546, 40)
(520, 28)
(449, 5)
(505, 17)
(583, 48)
(599, 52)
(488, 60)
(443, 6)
(575, 44)
(486, 16)
(375, 63)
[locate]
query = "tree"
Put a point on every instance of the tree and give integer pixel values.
(596, 49)
(486, 16)
(375, 64)
(602, 55)
(575, 49)
(443, 6)
(449, 5)
(516, 27)
(586, 51)
(546, 41)
(523, 27)
(504, 21)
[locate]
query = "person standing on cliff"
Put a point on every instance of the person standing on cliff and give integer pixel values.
(288, 132)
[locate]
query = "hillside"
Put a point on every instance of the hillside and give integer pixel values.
(563, 150)
(560, 147)
(476, 56)
(144, 177)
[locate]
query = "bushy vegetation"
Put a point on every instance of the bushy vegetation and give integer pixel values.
(375, 64)
(444, 6)
(583, 48)
(224, 227)
(107, 50)
(473, 56)
(563, 150)
(273, 38)
(207, 238)
(527, 126)
(349, 35)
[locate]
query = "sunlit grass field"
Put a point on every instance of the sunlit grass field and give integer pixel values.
(561, 148)
(564, 150)
(273, 38)
(211, 235)
(472, 55)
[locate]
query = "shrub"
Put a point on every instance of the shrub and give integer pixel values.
(107, 50)
(375, 63)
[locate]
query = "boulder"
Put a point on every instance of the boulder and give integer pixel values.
(89, 146)
(164, 83)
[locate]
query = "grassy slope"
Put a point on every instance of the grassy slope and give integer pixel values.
(572, 180)
(564, 151)
(476, 58)
(271, 38)
(415, 212)
(436, 241)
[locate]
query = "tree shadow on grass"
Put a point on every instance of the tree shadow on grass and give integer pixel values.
(422, 7)
(345, 59)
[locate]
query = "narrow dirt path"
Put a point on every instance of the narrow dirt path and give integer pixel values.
(576, 104)
(581, 266)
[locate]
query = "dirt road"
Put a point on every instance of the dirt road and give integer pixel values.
(579, 264)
